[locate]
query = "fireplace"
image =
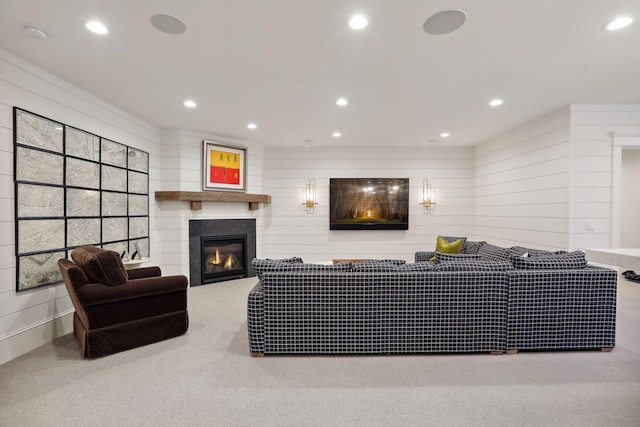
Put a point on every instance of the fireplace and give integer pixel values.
(223, 257)
(235, 240)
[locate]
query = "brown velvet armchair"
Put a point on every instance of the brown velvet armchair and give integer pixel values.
(118, 309)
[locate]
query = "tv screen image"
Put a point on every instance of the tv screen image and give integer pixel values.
(369, 203)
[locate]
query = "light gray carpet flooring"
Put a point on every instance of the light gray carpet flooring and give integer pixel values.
(207, 378)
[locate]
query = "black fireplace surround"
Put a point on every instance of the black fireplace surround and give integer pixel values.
(233, 231)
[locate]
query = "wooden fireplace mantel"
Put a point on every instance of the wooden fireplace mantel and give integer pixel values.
(197, 197)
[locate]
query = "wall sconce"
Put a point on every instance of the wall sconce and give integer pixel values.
(428, 196)
(309, 196)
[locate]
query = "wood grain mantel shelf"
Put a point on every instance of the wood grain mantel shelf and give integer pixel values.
(195, 198)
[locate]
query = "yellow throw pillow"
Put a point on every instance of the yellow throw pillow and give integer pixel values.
(445, 247)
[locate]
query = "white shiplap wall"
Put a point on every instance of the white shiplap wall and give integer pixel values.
(289, 231)
(180, 169)
(522, 185)
(592, 128)
(28, 319)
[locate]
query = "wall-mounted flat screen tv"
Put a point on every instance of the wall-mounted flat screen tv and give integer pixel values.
(369, 203)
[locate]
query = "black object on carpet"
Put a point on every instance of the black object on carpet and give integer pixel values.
(632, 276)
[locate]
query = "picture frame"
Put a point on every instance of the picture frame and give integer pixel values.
(73, 188)
(224, 167)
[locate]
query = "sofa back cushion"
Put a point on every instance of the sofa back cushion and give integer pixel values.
(473, 265)
(440, 257)
(100, 265)
(471, 247)
(489, 252)
(380, 267)
(262, 266)
(565, 261)
(291, 260)
(382, 261)
(377, 267)
(527, 252)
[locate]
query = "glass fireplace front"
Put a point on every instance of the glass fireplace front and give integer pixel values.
(223, 258)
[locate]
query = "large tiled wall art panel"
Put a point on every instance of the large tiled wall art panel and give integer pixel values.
(74, 188)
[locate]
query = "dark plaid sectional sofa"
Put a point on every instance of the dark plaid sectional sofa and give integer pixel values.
(484, 300)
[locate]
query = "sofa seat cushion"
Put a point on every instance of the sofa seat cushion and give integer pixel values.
(566, 261)
(473, 265)
(101, 265)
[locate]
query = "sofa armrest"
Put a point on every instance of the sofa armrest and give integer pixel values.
(424, 256)
(255, 319)
(140, 273)
(99, 293)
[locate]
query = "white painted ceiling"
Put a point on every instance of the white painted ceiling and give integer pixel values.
(283, 63)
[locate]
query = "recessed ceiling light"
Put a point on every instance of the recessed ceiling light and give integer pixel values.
(445, 134)
(36, 33)
(495, 102)
(342, 102)
(189, 103)
(444, 22)
(97, 27)
(619, 23)
(252, 126)
(358, 22)
(168, 24)
(336, 134)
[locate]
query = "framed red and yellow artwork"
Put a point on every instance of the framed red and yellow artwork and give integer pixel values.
(224, 167)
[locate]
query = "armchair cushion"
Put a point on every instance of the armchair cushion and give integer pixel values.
(140, 273)
(100, 265)
(98, 293)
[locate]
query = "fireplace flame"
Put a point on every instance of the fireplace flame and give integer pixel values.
(216, 259)
(228, 264)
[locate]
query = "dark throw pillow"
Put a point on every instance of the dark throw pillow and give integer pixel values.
(100, 265)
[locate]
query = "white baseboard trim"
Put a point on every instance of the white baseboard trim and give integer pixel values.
(25, 340)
